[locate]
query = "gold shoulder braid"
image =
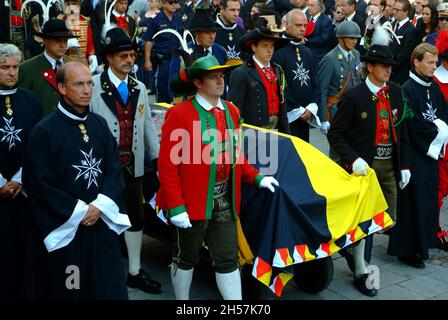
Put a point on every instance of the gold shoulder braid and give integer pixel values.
(9, 110)
(84, 132)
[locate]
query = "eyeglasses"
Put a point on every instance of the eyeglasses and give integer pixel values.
(443, 18)
(397, 9)
(124, 56)
(172, 2)
(338, 12)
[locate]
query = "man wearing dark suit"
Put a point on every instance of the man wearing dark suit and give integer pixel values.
(407, 34)
(322, 36)
(39, 73)
(256, 86)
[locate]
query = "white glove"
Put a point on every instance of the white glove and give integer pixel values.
(93, 63)
(268, 183)
(72, 43)
(442, 128)
(325, 127)
(360, 167)
(134, 68)
(405, 177)
(181, 220)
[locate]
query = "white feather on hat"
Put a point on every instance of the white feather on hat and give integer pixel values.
(381, 36)
(107, 14)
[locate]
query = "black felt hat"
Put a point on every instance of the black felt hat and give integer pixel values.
(258, 34)
(56, 29)
(201, 21)
(117, 40)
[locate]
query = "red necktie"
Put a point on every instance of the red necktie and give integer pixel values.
(270, 75)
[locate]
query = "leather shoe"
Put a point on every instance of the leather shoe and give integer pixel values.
(443, 244)
(413, 261)
(349, 258)
(360, 283)
(143, 281)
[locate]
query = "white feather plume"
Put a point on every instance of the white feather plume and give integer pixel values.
(45, 8)
(107, 24)
(388, 26)
(182, 39)
(381, 37)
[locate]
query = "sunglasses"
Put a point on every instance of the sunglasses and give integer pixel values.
(172, 2)
(443, 18)
(338, 12)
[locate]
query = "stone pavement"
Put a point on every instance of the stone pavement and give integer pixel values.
(397, 281)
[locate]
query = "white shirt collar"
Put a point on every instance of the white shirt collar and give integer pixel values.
(316, 17)
(350, 17)
(304, 10)
(441, 74)
(71, 115)
(402, 22)
(418, 80)
(373, 87)
(115, 13)
(114, 79)
(417, 16)
(8, 92)
(376, 19)
(207, 105)
(259, 63)
(345, 52)
(51, 60)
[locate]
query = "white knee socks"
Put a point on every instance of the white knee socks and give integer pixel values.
(229, 285)
(358, 253)
(134, 245)
(181, 280)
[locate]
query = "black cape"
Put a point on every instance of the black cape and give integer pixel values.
(16, 269)
(417, 207)
(56, 178)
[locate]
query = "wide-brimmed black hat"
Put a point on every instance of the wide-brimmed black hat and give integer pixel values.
(260, 33)
(117, 40)
(379, 54)
(201, 21)
(55, 28)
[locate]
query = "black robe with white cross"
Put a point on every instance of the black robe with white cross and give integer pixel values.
(67, 169)
(417, 207)
(228, 37)
(15, 221)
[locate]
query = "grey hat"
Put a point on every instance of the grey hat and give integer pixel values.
(348, 29)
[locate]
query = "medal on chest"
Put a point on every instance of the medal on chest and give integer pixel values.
(230, 36)
(85, 136)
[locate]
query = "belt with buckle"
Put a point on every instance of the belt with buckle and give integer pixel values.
(383, 152)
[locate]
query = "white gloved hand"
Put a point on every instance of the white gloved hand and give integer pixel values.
(93, 63)
(442, 128)
(325, 127)
(134, 69)
(268, 183)
(181, 220)
(72, 43)
(405, 178)
(360, 167)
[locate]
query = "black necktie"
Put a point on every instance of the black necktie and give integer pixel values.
(57, 65)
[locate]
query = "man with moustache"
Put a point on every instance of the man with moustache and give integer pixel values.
(39, 73)
(123, 102)
(74, 181)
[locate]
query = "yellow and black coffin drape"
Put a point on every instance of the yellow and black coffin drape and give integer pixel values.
(318, 209)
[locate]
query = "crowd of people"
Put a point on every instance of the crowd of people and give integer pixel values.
(79, 150)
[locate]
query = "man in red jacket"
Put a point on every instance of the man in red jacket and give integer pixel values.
(200, 169)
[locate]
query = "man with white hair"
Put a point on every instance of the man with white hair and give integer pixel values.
(19, 112)
(302, 91)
